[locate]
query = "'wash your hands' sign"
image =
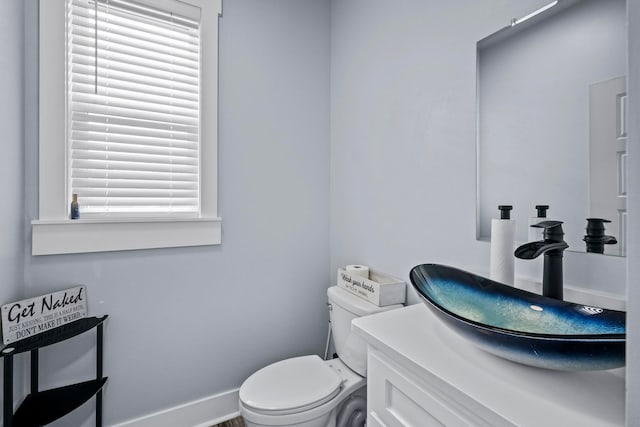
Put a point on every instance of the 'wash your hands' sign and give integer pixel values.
(29, 317)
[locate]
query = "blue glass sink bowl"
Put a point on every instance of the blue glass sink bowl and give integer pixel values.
(522, 326)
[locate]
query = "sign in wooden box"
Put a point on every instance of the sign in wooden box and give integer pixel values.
(29, 317)
(379, 289)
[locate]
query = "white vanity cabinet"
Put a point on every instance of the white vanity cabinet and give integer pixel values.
(400, 397)
(421, 374)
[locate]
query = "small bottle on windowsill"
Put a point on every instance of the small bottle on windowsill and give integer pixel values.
(75, 208)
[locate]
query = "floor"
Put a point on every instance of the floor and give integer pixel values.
(236, 422)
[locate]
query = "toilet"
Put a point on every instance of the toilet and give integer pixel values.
(308, 391)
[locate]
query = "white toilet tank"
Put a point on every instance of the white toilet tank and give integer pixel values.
(345, 307)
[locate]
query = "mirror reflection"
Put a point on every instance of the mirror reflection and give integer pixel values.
(551, 131)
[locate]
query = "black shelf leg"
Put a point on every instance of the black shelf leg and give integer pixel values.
(99, 375)
(34, 371)
(8, 391)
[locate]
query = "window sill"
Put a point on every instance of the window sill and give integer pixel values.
(50, 237)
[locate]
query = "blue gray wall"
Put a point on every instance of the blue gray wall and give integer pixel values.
(403, 161)
(11, 160)
(188, 323)
(11, 171)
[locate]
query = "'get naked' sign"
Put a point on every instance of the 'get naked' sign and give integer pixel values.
(29, 317)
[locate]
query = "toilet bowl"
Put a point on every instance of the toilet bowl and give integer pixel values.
(309, 392)
(306, 392)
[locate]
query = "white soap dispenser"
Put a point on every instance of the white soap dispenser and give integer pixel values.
(503, 239)
(536, 234)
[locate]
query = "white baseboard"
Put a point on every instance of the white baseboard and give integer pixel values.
(199, 413)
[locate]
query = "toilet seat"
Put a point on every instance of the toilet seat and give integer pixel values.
(290, 386)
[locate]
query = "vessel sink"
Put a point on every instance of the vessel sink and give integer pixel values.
(522, 326)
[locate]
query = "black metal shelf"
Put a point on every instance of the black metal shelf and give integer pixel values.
(43, 407)
(52, 336)
(47, 406)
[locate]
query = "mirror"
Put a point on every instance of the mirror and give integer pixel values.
(551, 107)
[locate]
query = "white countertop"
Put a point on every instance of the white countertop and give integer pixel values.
(526, 396)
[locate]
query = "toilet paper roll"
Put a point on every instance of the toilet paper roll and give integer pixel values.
(358, 270)
(503, 233)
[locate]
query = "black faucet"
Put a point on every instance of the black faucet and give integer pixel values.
(552, 247)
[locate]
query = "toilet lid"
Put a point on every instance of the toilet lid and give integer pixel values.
(289, 386)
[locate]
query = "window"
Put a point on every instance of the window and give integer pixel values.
(137, 139)
(133, 109)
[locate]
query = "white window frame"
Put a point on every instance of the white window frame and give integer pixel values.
(53, 232)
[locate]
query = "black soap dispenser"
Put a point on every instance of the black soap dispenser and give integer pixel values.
(595, 237)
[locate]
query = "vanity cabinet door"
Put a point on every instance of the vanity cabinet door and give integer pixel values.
(374, 421)
(398, 397)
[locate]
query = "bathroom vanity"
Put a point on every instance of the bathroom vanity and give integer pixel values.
(422, 374)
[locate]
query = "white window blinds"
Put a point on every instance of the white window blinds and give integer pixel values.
(133, 130)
